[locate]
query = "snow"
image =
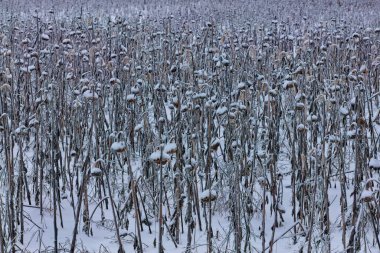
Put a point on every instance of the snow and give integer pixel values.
(334, 138)
(206, 194)
(273, 92)
(44, 36)
(33, 122)
(157, 155)
(241, 85)
(299, 96)
(64, 195)
(199, 83)
(351, 133)
(118, 146)
(374, 163)
(200, 95)
(88, 94)
(288, 84)
(193, 162)
(300, 105)
(215, 142)
(135, 90)
(344, 111)
(301, 127)
(138, 127)
(334, 87)
(170, 148)
(363, 68)
(131, 97)
(366, 195)
(221, 110)
(353, 101)
(66, 41)
(21, 130)
(95, 170)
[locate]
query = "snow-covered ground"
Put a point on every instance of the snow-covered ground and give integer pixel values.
(238, 126)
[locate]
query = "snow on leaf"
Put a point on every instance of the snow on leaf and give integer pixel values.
(221, 110)
(366, 196)
(170, 148)
(45, 37)
(159, 157)
(208, 195)
(131, 98)
(301, 127)
(95, 171)
(343, 111)
(138, 127)
(118, 146)
(241, 85)
(374, 163)
(88, 94)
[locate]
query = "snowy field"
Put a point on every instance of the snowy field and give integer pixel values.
(190, 126)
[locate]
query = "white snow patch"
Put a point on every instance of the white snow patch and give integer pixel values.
(374, 163)
(95, 170)
(206, 194)
(44, 36)
(157, 156)
(138, 127)
(90, 95)
(118, 146)
(343, 111)
(131, 97)
(221, 110)
(170, 148)
(366, 195)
